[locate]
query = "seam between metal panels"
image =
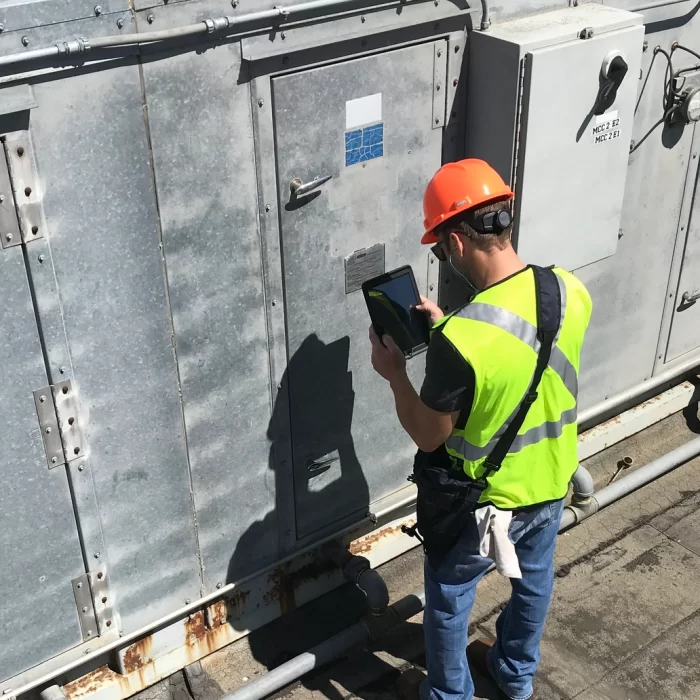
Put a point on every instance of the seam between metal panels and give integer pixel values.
(171, 320)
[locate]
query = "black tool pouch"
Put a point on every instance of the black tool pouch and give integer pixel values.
(447, 497)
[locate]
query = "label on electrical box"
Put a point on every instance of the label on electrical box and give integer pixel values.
(607, 127)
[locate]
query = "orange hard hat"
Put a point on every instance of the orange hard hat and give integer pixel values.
(457, 187)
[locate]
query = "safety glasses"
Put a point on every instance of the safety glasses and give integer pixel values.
(439, 252)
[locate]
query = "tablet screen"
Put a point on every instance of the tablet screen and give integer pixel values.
(391, 300)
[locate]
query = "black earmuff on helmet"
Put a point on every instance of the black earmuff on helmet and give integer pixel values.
(493, 222)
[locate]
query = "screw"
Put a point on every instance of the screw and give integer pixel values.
(234, 4)
(98, 10)
(80, 468)
(432, 286)
(261, 102)
(274, 302)
(89, 634)
(79, 585)
(363, 18)
(187, 601)
(283, 36)
(8, 236)
(41, 258)
(437, 120)
(120, 22)
(62, 370)
(2, 198)
(48, 431)
(84, 609)
(151, 18)
(219, 585)
(25, 41)
(438, 87)
(439, 53)
(42, 399)
(97, 556)
(437, 2)
(54, 460)
(267, 207)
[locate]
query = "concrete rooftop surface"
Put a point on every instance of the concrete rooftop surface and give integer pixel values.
(624, 622)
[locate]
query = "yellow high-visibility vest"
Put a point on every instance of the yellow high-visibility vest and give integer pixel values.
(496, 333)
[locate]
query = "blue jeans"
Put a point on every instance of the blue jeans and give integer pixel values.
(449, 596)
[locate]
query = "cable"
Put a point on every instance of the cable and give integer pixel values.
(646, 80)
(649, 133)
(686, 49)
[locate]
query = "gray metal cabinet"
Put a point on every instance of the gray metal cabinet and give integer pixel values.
(374, 125)
(40, 551)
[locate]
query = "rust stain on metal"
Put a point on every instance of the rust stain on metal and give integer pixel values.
(138, 655)
(369, 542)
(218, 613)
(94, 681)
(195, 628)
(237, 601)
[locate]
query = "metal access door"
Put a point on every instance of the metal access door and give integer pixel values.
(40, 553)
(374, 125)
(686, 318)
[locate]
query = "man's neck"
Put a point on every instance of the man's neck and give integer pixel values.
(496, 266)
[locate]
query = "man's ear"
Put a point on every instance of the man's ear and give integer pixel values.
(456, 244)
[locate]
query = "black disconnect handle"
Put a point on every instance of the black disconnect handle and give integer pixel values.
(609, 84)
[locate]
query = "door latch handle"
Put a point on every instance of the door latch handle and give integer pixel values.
(689, 298)
(299, 189)
(322, 464)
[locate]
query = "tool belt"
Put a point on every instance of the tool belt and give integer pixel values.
(447, 497)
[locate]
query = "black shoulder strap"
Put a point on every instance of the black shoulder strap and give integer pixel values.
(548, 304)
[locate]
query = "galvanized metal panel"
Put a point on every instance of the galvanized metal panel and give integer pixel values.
(685, 335)
(38, 533)
(337, 402)
(22, 15)
(102, 224)
(213, 256)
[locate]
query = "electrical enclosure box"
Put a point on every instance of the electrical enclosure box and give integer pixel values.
(531, 113)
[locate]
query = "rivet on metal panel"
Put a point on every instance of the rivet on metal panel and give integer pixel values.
(79, 585)
(8, 236)
(439, 53)
(98, 10)
(283, 35)
(274, 302)
(267, 207)
(120, 22)
(234, 4)
(48, 431)
(151, 18)
(54, 460)
(437, 120)
(432, 287)
(261, 102)
(363, 18)
(2, 27)
(409, 151)
(85, 609)
(187, 601)
(97, 556)
(62, 370)
(219, 585)
(438, 87)
(25, 41)
(80, 468)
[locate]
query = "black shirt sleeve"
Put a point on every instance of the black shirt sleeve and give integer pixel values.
(449, 379)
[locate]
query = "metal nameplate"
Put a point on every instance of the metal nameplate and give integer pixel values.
(86, 611)
(9, 226)
(67, 412)
(48, 423)
(363, 265)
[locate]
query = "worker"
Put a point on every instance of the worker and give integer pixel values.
(495, 424)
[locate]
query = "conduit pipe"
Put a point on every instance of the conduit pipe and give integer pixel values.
(371, 627)
(578, 511)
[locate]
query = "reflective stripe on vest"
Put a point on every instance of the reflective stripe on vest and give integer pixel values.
(559, 363)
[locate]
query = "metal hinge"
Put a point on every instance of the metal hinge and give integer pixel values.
(94, 604)
(57, 411)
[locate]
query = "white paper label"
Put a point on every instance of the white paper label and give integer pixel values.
(364, 110)
(607, 127)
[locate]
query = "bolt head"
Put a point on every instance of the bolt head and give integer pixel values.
(187, 601)
(54, 460)
(437, 120)
(261, 102)
(151, 18)
(41, 258)
(219, 585)
(80, 468)
(98, 10)
(97, 555)
(363, 18)
(48, 430)
(268, 207)
(8, 236)
(79, 584)
(85, 609)
(234, 4)
(120, 22)
(283, 35)
(25, 41)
